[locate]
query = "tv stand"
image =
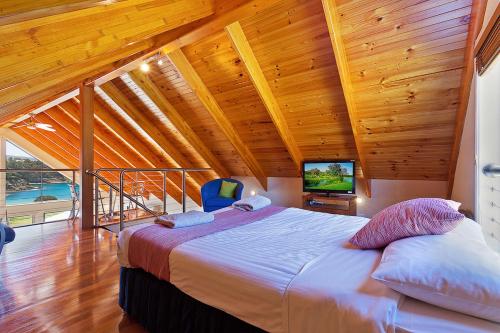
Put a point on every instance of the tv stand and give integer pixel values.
(327, 203)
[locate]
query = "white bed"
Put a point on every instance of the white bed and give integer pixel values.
(295, 272)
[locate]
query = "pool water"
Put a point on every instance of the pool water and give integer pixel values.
(60, 190)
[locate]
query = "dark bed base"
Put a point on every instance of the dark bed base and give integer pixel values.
(162, 308)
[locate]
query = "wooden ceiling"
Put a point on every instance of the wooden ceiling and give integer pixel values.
(246, 87)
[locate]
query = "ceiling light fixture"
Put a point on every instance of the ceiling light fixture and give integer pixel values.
(145, 67)
(160, 62)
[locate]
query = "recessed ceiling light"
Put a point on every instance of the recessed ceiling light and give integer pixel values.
(145, 67)
(160, 62)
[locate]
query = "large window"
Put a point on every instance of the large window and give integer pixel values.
(25, 187)
(30, 192)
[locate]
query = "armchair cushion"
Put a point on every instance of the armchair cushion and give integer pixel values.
(227, 189)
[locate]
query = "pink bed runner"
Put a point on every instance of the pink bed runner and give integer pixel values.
(150, 247)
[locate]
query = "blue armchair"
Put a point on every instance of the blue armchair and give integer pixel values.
(210, 194)
(7, 235)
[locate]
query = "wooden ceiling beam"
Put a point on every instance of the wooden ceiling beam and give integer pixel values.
(109, 118)
(476, 21)
(155, 94)
(154, 132)
(68, 135)
(226, 12)
(104, 155)
(333, 23)
(53, 150)
(58, 149)
(103, 148)
(18, 99)
(42, 66)
(114, 143)
(244, 50)
(30, 10)
(194, 81)
(65, 79)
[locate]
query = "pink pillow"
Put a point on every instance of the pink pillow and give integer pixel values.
(424, 216)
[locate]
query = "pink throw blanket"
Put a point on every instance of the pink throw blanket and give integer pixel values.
(150, 247)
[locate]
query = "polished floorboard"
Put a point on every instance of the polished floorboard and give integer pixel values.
(59, 278)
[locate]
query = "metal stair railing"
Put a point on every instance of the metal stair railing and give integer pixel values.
(97, 196)
(120, 189)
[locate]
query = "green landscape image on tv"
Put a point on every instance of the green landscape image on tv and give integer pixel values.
(329, 177)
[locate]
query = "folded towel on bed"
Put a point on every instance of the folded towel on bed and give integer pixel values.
(193, 217)
(252, 203)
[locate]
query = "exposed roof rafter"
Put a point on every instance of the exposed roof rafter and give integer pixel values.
(107, 117)
(333, 22)
(155, 94)
(244, 50)
(192, 78)
(154, 132)
(111, 144)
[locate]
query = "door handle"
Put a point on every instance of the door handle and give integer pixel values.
(491, 170)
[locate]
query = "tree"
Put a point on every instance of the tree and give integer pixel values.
(315, 172)
(336, 169)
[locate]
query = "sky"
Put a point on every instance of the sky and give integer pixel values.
(324, 166)
(12, 150)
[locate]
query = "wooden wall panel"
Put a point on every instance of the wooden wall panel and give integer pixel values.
(406, 60)
(219, 66)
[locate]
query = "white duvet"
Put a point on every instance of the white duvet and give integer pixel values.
(291, 272)
(294, 272)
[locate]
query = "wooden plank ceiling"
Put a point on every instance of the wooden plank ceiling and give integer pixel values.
(47, 52)
(252, 89)
(406, 60)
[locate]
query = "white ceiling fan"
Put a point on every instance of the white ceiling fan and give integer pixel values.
(32, 124)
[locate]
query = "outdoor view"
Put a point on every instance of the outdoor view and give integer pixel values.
(31, 187)
(328, 176)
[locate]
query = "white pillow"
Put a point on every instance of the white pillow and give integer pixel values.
(456, 271)
(454, 204)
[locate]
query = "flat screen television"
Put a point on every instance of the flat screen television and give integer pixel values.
(336, 176)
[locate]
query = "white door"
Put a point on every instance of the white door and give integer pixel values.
(488, 153)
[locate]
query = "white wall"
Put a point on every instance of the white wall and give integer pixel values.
(465, 174)
(288, 192)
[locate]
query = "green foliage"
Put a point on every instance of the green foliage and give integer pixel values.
(45, 198)
(17, 221)
(21, 180)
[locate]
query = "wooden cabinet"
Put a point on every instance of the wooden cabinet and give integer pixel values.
(343, 205)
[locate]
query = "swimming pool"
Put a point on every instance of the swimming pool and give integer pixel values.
(59, 190)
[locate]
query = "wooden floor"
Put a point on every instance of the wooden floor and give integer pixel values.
(58, 278)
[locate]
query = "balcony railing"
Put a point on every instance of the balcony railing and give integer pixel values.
(139, 192)
(35, 196)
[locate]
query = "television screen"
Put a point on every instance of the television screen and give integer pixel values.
(329, 176)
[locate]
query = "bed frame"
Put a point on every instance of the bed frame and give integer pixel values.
(160, 307)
